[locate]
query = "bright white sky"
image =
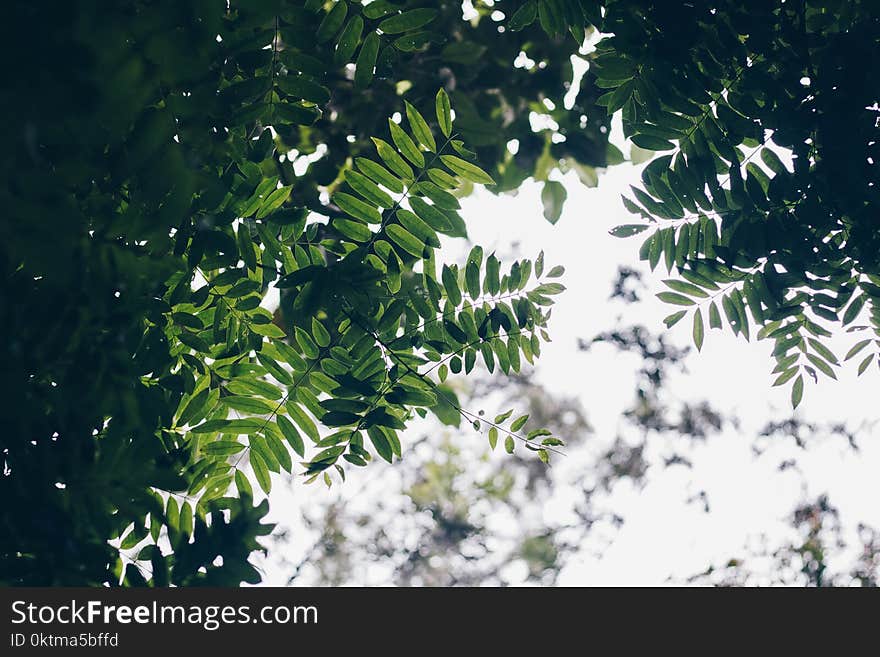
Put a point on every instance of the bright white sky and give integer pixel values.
(663, 535)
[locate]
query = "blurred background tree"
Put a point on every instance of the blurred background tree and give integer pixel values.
(450, 515)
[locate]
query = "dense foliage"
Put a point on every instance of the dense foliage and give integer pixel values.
(791, 249)
(150, 213)
(172, 163)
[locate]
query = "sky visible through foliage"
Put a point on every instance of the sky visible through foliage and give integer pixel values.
(668, 535)
(233, 242)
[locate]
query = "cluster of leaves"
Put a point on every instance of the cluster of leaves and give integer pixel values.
(368, 329)
(788, 249)
(507, 85)
(148, 376)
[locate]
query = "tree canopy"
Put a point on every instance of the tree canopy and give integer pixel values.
(172, 163)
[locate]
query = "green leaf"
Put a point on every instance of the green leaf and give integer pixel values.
(786, 376)
(674, 318)
(772, 160)
(753, 300)
(698, 329)
(392, 159)
(550, 288)
(348, 41)
(193, 341)
(430, 214)
(519, 423)
(405, 144)
(447, 405)
(297, 61)
(652, 143)
(379, 174)
(457, 334)
(509, 445)
(442, 179)
(188, 320)
(550, 14)
(669, 247)
(380, 442)
(366, 61)
(856, 348)
(714, 316)
(296, 113)
(378, 9)
(368, 189)
(353, 230)
(420, 128)
(274, 368)
(614, 67)
(492, 282)
(245, 426)
(675, 298)
(331, 23)
(730, 311)
(685, 288)
(619, 97)
(407, 21)
(821, 365)
(279, 451)
(242, 484)
(822, 350)
(193, 406)
(553, 197)
(797, 391)
(472, 278)
(222, 448)
(291, 435)
(298, 86)
(467, 170)
(440, 197)
(855, 307)
(354, 207)
(186, 519)
(320, 334)
(267, 330)
(339, 418)
(628, 230)
(406, 240)
(249, 386)
(289, 355)
(419, 228)
(450, 284)
(261, 471)
(303, 421)
(458, 146)
(304, 340)
(444, 112)
(244, 404)
(523, 16)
